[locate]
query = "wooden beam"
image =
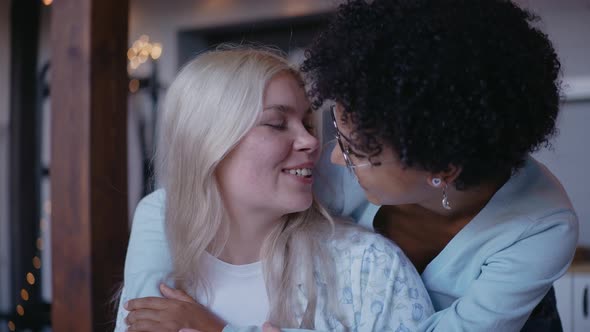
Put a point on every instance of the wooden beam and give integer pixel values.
(88, 160)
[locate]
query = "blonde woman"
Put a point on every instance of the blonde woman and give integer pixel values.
(242, 234)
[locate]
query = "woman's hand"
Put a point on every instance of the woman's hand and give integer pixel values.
(267, 327)
(170, 314)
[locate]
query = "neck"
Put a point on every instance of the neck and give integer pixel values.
(246, 236)
(465, 204)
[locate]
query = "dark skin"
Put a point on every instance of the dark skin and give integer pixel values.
(423, 243)
(423, 233)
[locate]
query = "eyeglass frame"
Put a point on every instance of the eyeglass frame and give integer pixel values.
(346, 151)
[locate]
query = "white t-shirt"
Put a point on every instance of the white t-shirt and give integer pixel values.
(237, 293)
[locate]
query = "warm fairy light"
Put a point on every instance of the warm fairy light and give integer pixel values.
(24, 294)
(143, 56)
(141, 50)
(11, 326)
(20, 310)
(37, 262)
(134, 63)
(130, 53)
(47, 2)
(30, 278)
(133, 85)
(40, 244)
(136, 45)
(156, 51)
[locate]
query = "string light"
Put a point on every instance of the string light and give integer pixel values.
(133, 85)
(30, 278)
(156, 51)
(141, 50)
(24, 294)
(37, 262)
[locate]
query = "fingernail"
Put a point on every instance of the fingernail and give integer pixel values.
(126, 305)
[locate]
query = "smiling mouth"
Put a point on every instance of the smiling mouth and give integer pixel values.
(300, 172)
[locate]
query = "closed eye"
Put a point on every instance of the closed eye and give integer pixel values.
(277, 126)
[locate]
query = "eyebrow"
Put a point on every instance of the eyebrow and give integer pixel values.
(285, 109)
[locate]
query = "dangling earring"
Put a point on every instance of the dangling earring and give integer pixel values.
(436, 182)
(445, 200)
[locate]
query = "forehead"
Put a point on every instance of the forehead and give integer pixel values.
(284, 89)
(343, 126)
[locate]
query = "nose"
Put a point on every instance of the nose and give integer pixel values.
(306, 142)
(336, 155)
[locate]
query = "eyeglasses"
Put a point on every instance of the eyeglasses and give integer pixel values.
(345, 148)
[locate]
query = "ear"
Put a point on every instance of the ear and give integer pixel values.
(440, 179)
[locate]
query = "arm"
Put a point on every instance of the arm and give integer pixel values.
(390, 294)
(148, 260)
(513, 280)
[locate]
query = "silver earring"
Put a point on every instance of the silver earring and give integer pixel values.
(436, 182)
(445, 200)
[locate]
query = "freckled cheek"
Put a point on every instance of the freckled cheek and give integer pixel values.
(276, 153)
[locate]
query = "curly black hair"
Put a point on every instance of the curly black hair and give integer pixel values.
(470, 83)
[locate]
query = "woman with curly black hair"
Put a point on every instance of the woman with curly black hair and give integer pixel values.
(438, 104)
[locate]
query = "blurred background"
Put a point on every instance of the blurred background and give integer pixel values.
(162, 35)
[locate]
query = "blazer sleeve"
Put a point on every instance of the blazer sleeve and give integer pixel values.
(148, 260)
(513, 280)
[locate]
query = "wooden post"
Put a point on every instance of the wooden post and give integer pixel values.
(88, 160)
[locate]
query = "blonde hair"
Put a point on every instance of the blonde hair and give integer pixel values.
(211, 105)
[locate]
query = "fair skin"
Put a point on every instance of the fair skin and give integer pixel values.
(255, 178)
(265, 177)
(412, 214)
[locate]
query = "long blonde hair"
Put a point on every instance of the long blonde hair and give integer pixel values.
(211, 105)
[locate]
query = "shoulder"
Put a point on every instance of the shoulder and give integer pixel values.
(148, 245)
(357, 247)
(533, 201)
(150, 211)
(151, 204)
(376, 277)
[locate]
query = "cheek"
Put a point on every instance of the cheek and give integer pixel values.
(267, 154)
(393, 185)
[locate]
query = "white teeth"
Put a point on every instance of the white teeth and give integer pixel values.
(300, 171)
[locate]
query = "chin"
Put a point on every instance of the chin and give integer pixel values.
(299, 205)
